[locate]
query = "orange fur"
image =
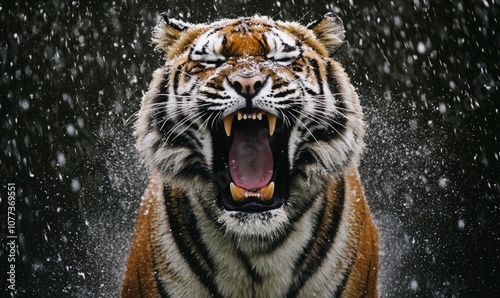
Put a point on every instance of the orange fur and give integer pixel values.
(139, 278)
(362, 281)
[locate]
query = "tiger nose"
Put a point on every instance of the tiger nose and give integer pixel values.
(247, 86)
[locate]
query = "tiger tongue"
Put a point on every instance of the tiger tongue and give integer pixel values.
(250, 159)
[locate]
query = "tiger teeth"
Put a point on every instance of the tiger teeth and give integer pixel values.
(267, 192)
(228, 124)
(238, 193)
(272, 123)
(271, 119)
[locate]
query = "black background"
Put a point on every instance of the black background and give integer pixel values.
(72, 75)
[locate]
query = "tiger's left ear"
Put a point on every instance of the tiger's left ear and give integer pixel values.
(167, 31)
(329, 31)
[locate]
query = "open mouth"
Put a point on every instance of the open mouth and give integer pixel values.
(250, 161)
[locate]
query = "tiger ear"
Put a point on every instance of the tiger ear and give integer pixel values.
(329, 31)
(167, 31)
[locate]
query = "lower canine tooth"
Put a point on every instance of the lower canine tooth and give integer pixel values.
(238, 193)
(267, 191)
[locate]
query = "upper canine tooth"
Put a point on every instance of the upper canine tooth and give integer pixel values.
(272, 123)
(267, 191)
(238, 193)
(228, 124)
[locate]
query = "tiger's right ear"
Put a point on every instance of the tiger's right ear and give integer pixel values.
(167, 31)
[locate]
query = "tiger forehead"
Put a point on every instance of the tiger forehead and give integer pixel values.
(245, 38)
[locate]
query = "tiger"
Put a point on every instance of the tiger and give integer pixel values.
(252, 134)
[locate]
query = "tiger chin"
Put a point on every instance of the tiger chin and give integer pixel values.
(252, 133)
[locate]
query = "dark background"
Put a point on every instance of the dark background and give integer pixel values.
(72, 75)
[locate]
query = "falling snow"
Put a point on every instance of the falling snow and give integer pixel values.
(427, 73)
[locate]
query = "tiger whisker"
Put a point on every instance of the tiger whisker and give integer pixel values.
(326, 117)
(204, 125)
(215, 117)
(178, 125)
(303, 125)
(320, 121)
(131, 119)
(199, 115)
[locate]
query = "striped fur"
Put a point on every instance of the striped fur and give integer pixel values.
(315, 235)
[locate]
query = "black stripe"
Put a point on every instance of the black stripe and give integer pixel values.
(292, 103)
(285, 93)
(159, 285)
(279, 84)
(297, 172)
(339, 120)
(317, 73)
(215, 86)
(139, 280)
(288, 48)
(177, 77)
(203, 49)
(214, 95)
(330, 78)
(305, 156)
(194, 168)
(187, 237)
(224, 41)
(264, 45)
(163, 124)
(309, 263)
(191, 134)
(296, 66)
(324, 134)
(186, 139)
(256, 278)
(310, 91)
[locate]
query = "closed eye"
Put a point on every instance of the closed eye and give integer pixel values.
(211, 63)
(283, 58)
(283, 49)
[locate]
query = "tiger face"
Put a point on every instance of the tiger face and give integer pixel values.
(250, 118)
